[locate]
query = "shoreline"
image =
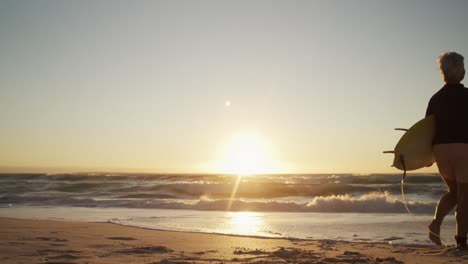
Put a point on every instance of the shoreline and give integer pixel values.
(351, 227)
(363, 241)
(65, 242)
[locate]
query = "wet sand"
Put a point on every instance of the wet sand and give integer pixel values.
(60, 242)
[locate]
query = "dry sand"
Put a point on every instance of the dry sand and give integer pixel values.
(59, 242)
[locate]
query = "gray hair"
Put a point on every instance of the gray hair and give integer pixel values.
(451, 67)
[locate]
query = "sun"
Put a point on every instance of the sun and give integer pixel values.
(248, 153)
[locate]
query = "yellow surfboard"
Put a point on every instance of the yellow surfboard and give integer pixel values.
(414, 149)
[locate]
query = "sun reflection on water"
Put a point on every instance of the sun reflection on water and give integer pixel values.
(245, 223)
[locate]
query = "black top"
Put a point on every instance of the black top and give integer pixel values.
(450, 108)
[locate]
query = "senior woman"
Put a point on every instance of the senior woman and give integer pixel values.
(450, 146)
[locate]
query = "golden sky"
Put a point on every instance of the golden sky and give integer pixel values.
(210, 86)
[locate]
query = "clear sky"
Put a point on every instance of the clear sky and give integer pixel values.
(167, 85)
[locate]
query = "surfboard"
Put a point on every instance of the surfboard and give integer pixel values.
(414, 149)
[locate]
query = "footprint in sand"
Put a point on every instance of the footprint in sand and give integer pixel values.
(146, 250)
(121, 238)
(58, 262)
(54, 251)
(166, 261)
(54, 239)
(65, 256)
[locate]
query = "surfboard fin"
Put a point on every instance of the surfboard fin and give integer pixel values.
(401, 129)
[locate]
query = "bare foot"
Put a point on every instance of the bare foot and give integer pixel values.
(462, 247)
(434, 234)
(461, 243)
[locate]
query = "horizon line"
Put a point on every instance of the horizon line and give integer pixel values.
(65, 170)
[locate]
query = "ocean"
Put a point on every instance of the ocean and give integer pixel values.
(347, 207)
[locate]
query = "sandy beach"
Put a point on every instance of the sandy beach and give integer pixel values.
(60, 242)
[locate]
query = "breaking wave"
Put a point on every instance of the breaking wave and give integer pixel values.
(376, 193)
(375, 202)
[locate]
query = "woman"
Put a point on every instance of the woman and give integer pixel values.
(450, 146)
